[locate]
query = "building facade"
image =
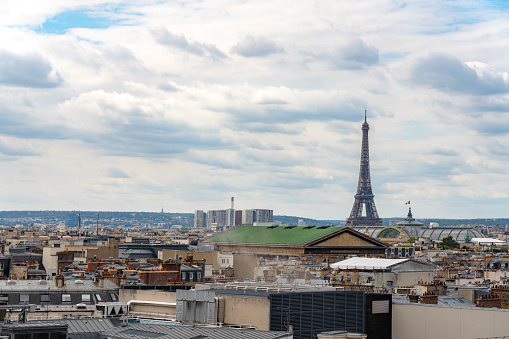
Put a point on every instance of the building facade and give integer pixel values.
(200, 219)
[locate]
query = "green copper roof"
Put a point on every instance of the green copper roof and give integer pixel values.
(273, 235)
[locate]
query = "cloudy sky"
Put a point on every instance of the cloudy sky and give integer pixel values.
(143, 105)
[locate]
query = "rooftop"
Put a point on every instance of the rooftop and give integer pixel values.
(362, 263)
(49, 285)
(140, 331)
(88, 325)
(284, 235)
(443, 301)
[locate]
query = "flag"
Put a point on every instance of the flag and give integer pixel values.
(407, 203)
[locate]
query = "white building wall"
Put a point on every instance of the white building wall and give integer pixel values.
(495, 275)
(224, 260)
(50, 258)
(418, 321)
(401, 279)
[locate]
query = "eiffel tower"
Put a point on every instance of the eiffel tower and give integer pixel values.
(364, 196)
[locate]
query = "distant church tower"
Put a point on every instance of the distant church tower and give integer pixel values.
(364, 196)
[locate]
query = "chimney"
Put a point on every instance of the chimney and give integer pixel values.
(232, 204)
(429, 298)
(59, 281)
(414, 298)
(488, 301)
(345, 275)
(99, 281)
(355, 276)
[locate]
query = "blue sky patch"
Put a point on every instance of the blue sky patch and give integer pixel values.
(83, 18)
(391, 56)
(497, 4)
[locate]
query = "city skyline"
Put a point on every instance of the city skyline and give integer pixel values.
(124, 106)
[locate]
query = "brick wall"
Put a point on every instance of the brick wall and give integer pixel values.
(154, 261)
(429, 299)
(414, 298)
(158, 277)
(64, 258)
(170, 266)
(502, 292)
(488, 301)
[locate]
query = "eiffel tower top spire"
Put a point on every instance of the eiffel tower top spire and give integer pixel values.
(364, 197)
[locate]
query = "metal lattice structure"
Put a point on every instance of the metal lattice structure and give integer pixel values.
(311, 313)
(364, 201)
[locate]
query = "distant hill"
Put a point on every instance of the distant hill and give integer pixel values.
(311, 222)
(129, 218)
(112, 218)
(108, 218)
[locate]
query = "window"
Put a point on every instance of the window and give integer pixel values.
(23, 298)
(380, 306)
(4, 297)
(85, 297)
(44, 297)
(66, 297)
(198, 275)
(98, 297)
(191, 276)
(113, 296)
(183, 276)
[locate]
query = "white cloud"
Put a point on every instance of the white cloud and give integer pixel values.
(165, 37)
(185, 104)
(14, 147)
(256, 47)
(447, 73)
(30, 70)
(355, 54)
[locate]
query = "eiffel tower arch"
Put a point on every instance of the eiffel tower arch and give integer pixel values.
(364, 210)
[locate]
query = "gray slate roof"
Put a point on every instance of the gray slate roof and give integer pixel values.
(143, 331)
(443, 301)
(89, 325)
(71, 285)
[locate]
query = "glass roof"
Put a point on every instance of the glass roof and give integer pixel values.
(435, 234)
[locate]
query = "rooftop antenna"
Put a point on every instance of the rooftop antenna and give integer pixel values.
(79, 224)
(97, 226)
(365, 115)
